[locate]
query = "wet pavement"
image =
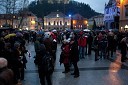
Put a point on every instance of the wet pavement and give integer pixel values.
(101, 72)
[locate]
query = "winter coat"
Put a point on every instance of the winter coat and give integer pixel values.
(110, 42)
(64, 57)
(82, 41)
(6, 76)
(37, 45)
(49, 45)
(74, 55)
(41, 54)
(123, 47)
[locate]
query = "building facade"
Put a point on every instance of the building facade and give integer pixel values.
(99, 21)
(79, 22)
(57, 20)
(90, 23)
(9, 20)
(27, 21)
(111, 15)
(123, 15)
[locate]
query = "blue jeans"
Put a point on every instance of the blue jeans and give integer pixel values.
(81, 52)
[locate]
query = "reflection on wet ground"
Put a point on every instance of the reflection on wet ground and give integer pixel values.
(102, 72)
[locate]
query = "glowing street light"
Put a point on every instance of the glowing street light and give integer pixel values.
(33, 22)
(126, 26)
(69, 15)
(121, 1)
(71, 21)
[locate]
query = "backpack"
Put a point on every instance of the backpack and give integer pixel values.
(39, 54)
(48, 64)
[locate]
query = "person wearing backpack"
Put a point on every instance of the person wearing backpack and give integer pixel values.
(64, 57)
(46, 69)
(45, 65)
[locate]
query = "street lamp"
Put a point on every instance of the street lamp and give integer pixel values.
(70, 15)
(71, 21)
(57, 15)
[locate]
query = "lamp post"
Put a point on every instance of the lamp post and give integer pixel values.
(57, 20)
(71, 21)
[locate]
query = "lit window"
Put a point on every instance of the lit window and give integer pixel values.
(54, 23)
(14, 16)
(126, 10)
(49, 23)
(65, 23)
(60, 22)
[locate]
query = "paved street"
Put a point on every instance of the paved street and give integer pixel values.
(102, 72)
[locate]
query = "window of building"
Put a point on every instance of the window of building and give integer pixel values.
(49, 23)
(35, 19)
(65, 23)
(54, 23)
(31, 24)
(126, 10)
(57, 23)
(60, 22)
(31, 19)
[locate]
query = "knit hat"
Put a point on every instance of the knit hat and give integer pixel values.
(3, 63)
(17, 45)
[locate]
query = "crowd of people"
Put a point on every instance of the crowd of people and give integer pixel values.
(74, 46)
(13, 50)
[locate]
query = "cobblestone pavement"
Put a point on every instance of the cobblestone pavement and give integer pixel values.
(101, 72)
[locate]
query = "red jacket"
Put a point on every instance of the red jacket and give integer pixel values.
(82, 41)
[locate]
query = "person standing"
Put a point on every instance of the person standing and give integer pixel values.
(123, 47)
(96, 49)
(74, 57)
(89, 42)
(103, 47)
(64, 57)
(82, 43)
(43, 65)
(6, 75)
(111, 44)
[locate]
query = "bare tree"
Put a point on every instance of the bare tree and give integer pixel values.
(23, 13)
(12, 6)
